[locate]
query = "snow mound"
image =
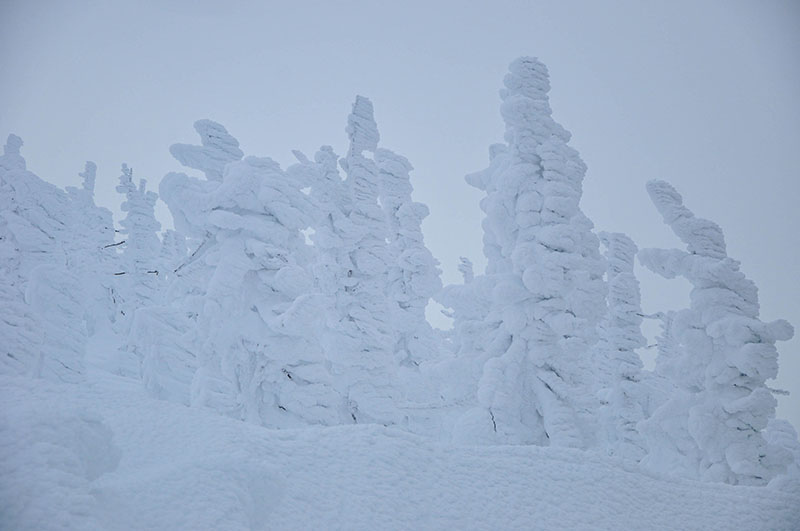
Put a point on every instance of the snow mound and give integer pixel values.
(187, 468)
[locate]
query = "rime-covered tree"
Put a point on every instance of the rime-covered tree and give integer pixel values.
(413, 273)
(138, 278)
(91, 251)
(187, 199)
(618, 365)
(165, 336)
(412, 279)
(332, 231)
(217, 149)
(548, 292)
(360, 347)
(20, 331)
(42, 329)
(261, 361)
(712, 428)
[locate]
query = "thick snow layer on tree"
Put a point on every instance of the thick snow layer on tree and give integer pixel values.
(723, 355)
(218, 149)
(544, 263)
(105, 456)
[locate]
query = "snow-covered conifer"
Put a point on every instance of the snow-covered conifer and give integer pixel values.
(41, 320)
(20, 330)
(165, 337)
(173, 252)
(413, 273)
(548, 290)
(712, 427)
(138, 278)
(91, 252)
(412, 279)
(218, 149)
(261, 361)
(360, 349)
(618, 365)
(53, 294)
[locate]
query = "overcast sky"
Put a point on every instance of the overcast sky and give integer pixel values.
(702, 94)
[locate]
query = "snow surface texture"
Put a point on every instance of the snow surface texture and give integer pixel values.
(104, 456)
(293, 299)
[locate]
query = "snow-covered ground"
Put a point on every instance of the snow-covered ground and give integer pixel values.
(103, 455)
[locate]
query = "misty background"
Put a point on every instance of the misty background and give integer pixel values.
(701, 94)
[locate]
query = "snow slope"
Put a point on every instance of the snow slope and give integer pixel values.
(102, 455)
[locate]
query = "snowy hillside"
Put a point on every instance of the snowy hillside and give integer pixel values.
(269, 364)
(105, 456)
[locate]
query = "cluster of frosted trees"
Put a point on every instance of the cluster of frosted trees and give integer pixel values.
(290, 297)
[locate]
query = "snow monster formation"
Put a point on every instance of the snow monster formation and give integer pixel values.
(296, 297)
(546, 272)
(712, 426)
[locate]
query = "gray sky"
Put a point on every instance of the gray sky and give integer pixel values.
(702, 94)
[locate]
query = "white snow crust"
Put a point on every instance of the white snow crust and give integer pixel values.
(106, 456)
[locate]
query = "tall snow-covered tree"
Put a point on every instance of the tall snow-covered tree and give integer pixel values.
(140, 252)
(712, 428)
(91, 251)
(412, 279)
(360, 348)
(261, 360)
(42, 329)
(618, 365)
(548, 291)
(165, 336)
(332, 228)
(413, 273)
(188, 201)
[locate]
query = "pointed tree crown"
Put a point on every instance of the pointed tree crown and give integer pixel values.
(361, 127)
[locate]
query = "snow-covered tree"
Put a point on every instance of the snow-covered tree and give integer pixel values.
(360, 347)
(42, 329)
(91, 252)
(332, 229)
(173, 252)
(412, 279)
(713, 426)
(20, 330)
(165, 336)
(217, 149)
(188, 201)
(140, 253)
(548, 292)
(261, 361)
(618, 365)
(413, 273)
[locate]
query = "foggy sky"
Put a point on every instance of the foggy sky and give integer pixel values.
(701, 94)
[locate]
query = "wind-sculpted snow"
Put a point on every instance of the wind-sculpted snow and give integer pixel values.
(619, 366)
(218, 149)
(91, 253)
(254, 363)
(712, 428)
(361, 127)
(294, 299)
(138, 280)
(546, 270)
(52, 293)
(360, 346)
(42, 314)
(51, 451)
(701, 236)
(156, 465)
